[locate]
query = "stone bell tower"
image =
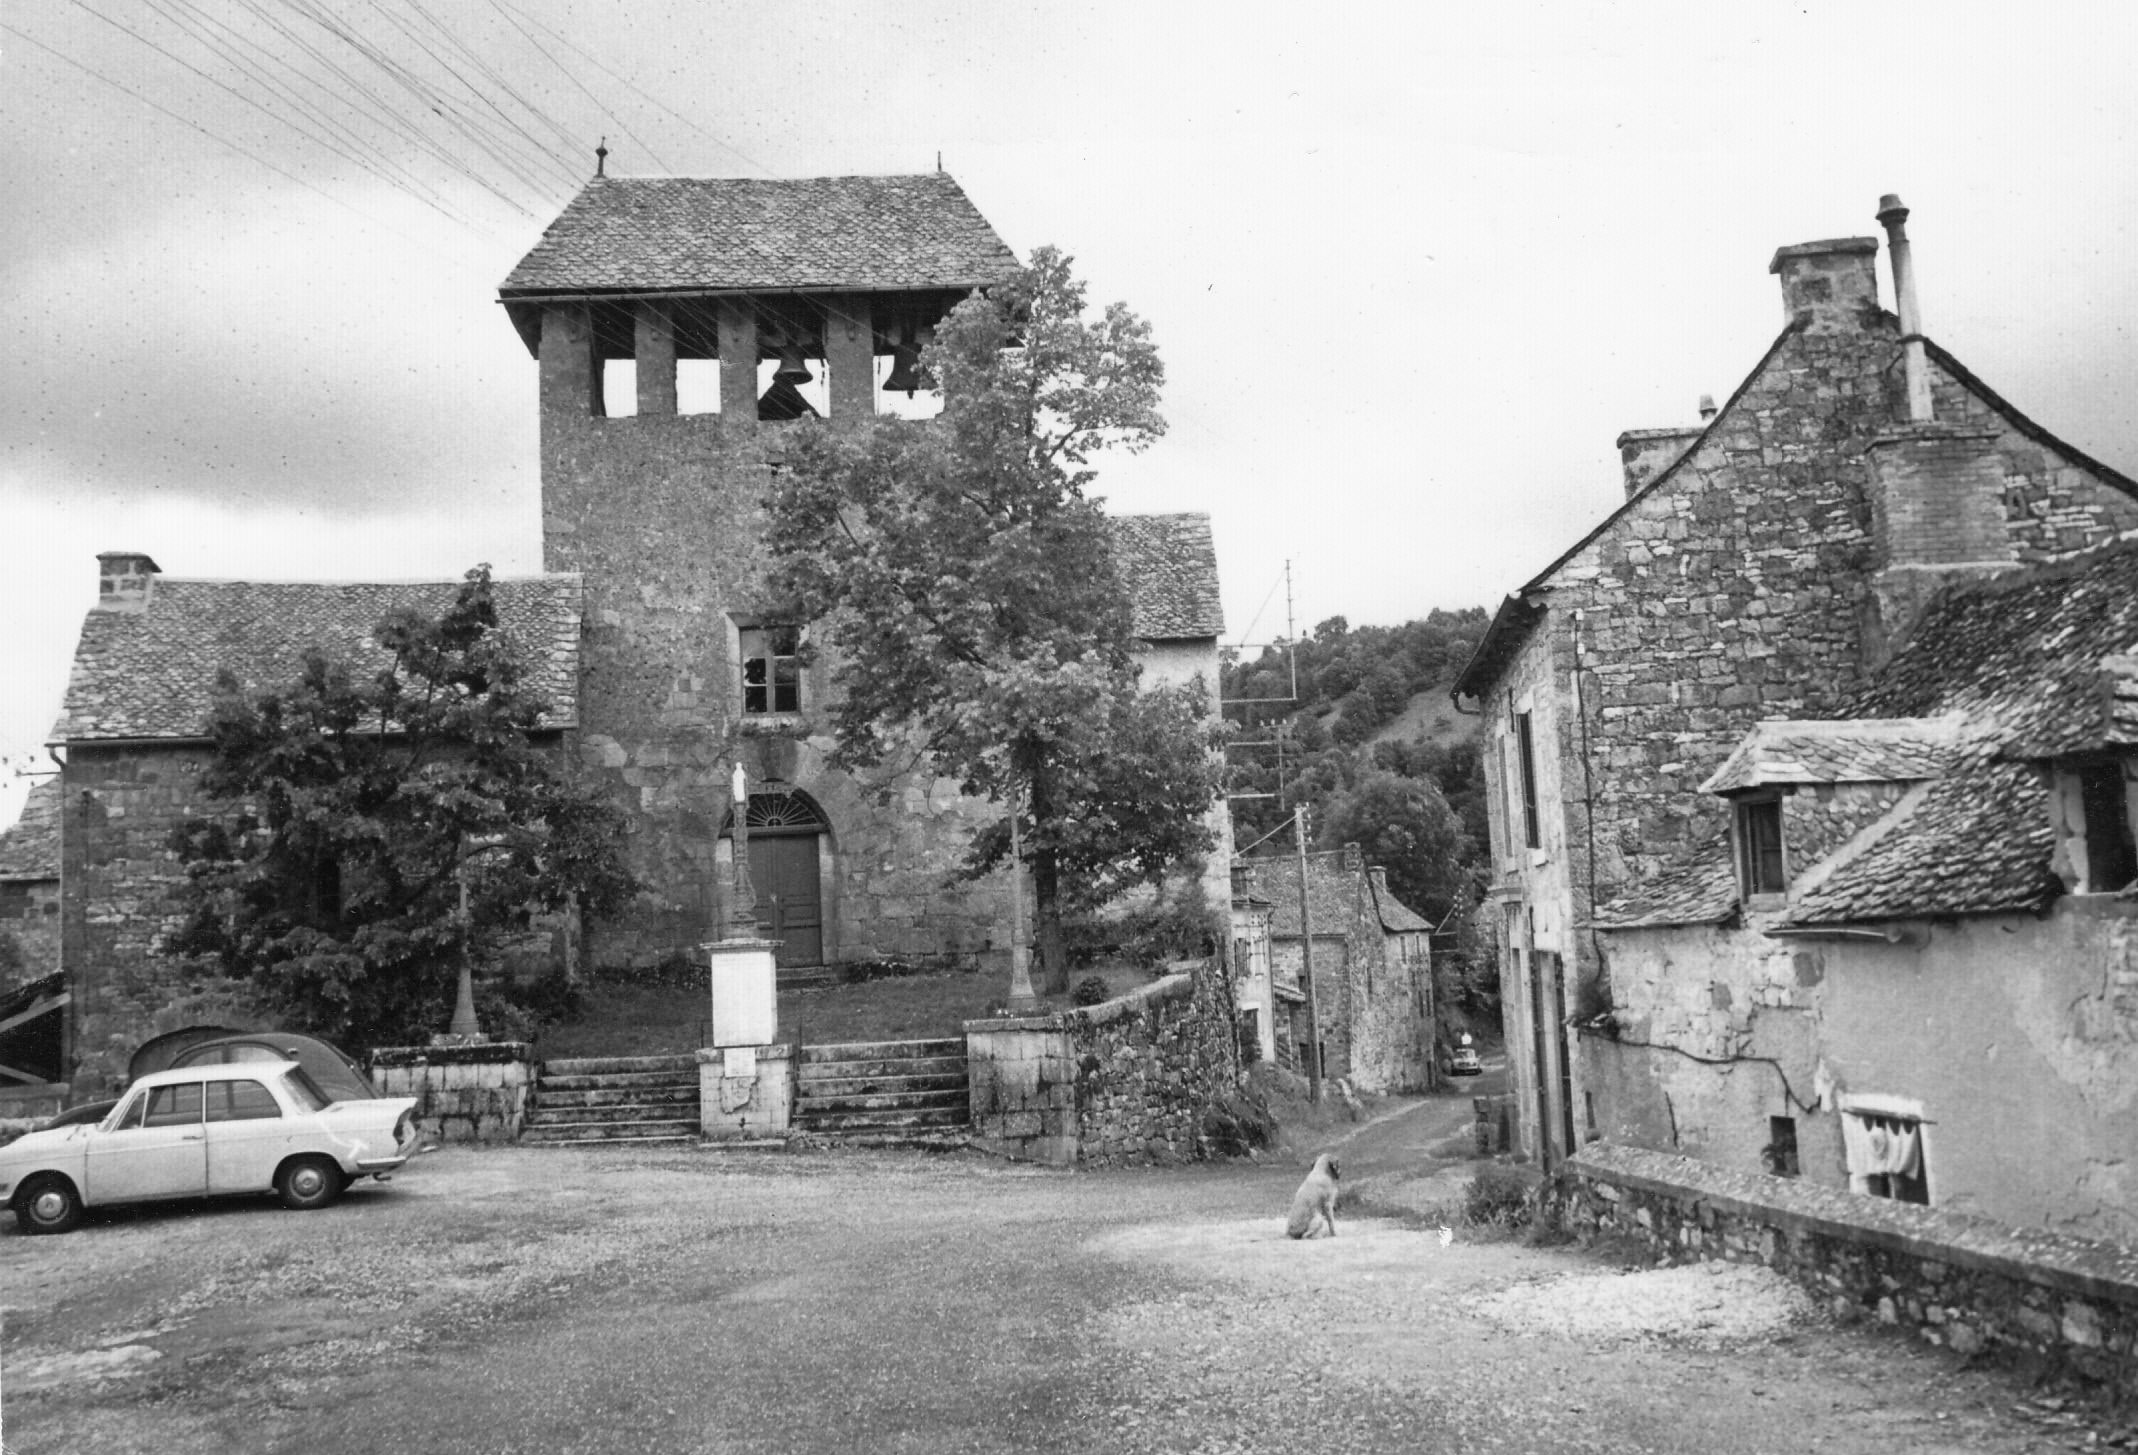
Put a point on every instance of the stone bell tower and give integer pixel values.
(680, 325)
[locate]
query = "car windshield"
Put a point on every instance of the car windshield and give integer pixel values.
(305, 1089)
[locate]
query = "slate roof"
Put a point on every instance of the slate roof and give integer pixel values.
(1169, 566)
(2037, 655)
(1999, 674)
(1978, 842)
(151, 673)
(1877, 750)
(1397, 917)
(29, 850)
(1700, 889)
(1334, 894)
(743, 234)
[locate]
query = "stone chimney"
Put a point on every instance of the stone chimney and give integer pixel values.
(1829, 284)
(1647, 453)
(1937, 490)
(123, 580)
(1937, 515)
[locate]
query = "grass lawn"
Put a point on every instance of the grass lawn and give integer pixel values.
(631, 1020)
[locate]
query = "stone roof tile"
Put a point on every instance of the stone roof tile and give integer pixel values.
(1875, 750)
(29, 850)
(151, 673)
(1699, 889)
(1976, 842)
(1169, 567)
(741, 234)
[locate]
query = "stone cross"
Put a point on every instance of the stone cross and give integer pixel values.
(742, 900)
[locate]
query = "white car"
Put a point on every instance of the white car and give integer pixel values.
(200, 1131)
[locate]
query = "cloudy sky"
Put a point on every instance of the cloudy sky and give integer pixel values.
(1412, 267)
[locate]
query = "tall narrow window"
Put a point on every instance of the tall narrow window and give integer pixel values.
(1759, 846)
(1528, 751)
(771, 669)
(2111, 857)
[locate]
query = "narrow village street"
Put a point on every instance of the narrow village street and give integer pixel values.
(523, 1300)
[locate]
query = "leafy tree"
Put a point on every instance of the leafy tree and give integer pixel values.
(349, 814)
(962, 582)
(1405, 826)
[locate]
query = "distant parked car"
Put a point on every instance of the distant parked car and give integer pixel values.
(1464, 1060)
(199, 1131)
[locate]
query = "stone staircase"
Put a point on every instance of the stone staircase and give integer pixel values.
(627, 1099)
(885, 1093)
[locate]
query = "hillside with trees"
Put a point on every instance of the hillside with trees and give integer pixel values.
(1356, 724)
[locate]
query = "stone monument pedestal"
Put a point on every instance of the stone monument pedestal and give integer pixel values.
(745, 1080)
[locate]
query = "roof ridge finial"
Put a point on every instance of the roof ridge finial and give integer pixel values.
(601, 158)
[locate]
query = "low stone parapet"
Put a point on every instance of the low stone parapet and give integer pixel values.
(470, 1093)
(1127, 1080)
(1965, 1283)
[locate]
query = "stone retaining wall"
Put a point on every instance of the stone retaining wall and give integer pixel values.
(1964, 1283)
(463, 1093)
(1122, 1082)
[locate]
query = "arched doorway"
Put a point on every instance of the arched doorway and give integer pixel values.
(786, 830)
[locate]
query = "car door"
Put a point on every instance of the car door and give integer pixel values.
(157, 1148)
(247, 1134)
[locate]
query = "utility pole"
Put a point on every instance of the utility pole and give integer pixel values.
(1306, 958)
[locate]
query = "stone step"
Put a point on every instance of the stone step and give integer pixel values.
(618, 1080)
(619, 1065)
(884, 1050)
(884, 1101)
(628, 1111)
(938, 1139)
(633, 1131)
(879, 1121)
(880, 1081)
(547, 1096)
(815, 1071)
(815, 977)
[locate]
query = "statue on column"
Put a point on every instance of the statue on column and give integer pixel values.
(742, 898)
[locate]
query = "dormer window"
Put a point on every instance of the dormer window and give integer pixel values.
(1760, 865)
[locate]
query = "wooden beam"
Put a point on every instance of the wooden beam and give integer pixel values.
(37, 1008)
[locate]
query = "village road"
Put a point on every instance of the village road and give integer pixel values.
(551, 1301)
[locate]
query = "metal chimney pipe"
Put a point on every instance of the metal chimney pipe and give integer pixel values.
(1895, 218)
(1707, 408)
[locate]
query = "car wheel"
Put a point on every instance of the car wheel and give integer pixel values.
(308, 1182)
(48, 1204)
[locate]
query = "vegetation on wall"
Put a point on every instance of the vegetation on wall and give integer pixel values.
(962, 580)
(365, 836)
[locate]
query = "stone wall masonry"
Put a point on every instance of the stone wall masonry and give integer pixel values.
(463, 1093)
(1963, 1283)
(29, 914)
(1127, 1081)
(662, 516)
(116, 816)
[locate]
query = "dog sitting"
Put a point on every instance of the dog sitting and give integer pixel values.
(1316, 1198)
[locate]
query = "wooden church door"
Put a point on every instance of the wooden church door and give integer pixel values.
(790, 907)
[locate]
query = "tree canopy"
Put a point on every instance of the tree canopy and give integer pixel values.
(962, 582)
(348, 815)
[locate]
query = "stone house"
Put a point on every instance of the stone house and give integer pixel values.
(1908, 968)
(721, 302)
(1762, 566)
(1373, 970)
(133, 736)
(649, 635)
